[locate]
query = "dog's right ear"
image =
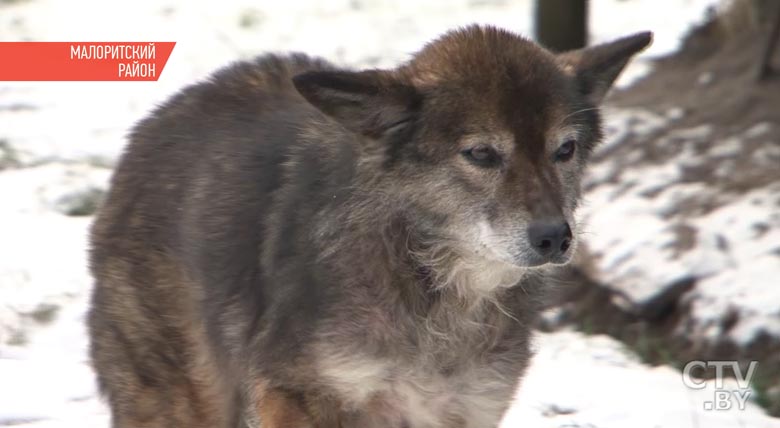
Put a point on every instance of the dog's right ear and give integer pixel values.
(597, 67)
(365, 102)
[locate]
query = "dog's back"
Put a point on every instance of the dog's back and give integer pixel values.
(186, 207)
(306, 246)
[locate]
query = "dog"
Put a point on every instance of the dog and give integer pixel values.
(291, 244)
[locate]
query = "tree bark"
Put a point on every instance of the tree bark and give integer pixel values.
(765, 64)
(561, 25)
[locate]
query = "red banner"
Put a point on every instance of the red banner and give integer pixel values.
(83, 61)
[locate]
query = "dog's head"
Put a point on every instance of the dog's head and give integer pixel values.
(483, 136)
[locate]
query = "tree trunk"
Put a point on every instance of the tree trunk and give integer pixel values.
(561, 25)
(765, 64)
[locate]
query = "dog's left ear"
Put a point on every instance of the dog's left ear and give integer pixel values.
(366, 102)
(597, 67)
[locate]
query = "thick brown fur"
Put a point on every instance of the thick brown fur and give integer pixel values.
(292, 244)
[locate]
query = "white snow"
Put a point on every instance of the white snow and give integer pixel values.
(751, 229)
(592, 381)
(734, 253)
(758, 130)
(622, 123)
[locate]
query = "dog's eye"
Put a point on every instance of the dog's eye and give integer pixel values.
(482, 155)
(565, 151)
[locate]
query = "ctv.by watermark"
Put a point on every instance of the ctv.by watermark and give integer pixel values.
(724, 398)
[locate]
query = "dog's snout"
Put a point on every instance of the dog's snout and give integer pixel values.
(550, 238)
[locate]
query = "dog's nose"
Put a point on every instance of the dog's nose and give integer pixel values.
(550, 238)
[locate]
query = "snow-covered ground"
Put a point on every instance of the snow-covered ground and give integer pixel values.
(61, 139)
(579, 381)
(726, 242)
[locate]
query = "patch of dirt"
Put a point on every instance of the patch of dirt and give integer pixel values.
(713, 81)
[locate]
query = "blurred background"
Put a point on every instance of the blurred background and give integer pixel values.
(681, 260)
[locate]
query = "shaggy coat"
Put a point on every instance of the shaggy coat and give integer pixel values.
(290, 244)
